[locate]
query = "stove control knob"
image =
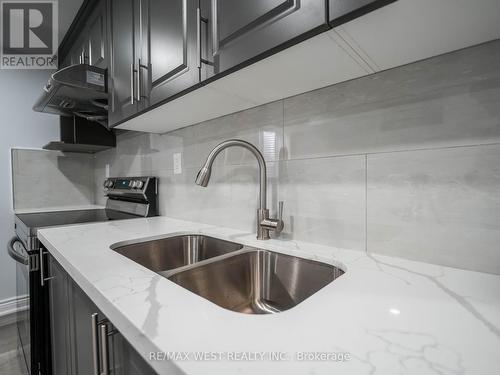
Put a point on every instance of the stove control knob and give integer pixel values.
(139, 184)
(106, 183)
(111, 183)
(131, 184)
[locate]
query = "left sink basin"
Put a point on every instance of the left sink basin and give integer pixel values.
(173, 252)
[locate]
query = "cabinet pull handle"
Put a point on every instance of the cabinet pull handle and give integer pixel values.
(132, 70)
(198, 36)
(104, 349)
(215, 31)
(43, 279)
(139, 81)
(95, 344)
(41, 267)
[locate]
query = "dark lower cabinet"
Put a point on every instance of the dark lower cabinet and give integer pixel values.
(59, 319)
(240, 30)
(82, 337)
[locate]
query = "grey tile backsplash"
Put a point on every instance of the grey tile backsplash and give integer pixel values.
(404, 162)
(441, 205)
(50, 179)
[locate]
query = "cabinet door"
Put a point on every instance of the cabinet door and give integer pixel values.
(170, 50)
(59, 319)
(79, 53)
(82, 309)
(123, 52)
(242, 30)
(127, 360)
(122, 359)
(97, 36)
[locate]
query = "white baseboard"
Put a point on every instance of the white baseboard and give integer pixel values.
(10, 306)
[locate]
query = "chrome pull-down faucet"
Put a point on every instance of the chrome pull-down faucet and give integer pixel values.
(265, 224)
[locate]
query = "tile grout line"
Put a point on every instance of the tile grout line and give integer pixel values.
(366, 203)
(282, 157)
(279, 161)
(392, 152)
(283, 129)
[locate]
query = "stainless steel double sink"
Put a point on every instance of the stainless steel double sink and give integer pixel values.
(236, 277)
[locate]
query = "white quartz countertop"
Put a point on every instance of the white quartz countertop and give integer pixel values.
(392, 316)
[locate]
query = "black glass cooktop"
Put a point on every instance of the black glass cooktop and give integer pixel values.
(55, 218)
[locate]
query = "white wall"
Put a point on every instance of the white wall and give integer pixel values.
(20, 127)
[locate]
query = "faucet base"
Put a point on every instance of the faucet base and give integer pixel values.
(262, 232)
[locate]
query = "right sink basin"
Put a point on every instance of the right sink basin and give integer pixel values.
(257, 281)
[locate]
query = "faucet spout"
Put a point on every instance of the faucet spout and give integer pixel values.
(264, 223)
(204, 174)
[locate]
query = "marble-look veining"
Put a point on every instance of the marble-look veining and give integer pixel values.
(392, 315)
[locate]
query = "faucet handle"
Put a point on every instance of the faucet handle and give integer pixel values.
(280, 210)
(270, 224)
(279, 222)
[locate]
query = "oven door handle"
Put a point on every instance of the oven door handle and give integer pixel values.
(14, 254)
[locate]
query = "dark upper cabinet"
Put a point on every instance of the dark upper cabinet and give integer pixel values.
(96, 43)
(90, 40)
(124, 55)
(341, 11)
(157, 49)
(154, 53)
(170, 50)
(240, 30)
(79, 53)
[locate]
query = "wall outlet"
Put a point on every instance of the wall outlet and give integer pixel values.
(177, 163)
(107, 170)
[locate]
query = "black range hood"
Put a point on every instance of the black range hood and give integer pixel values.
(83, 136)
(77, 90)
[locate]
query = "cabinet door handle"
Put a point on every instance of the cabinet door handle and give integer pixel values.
(132, 70)
(139, 81)
(43, 279)
(95, 344)
(215, 28)
(198, 36)
(104, 349)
